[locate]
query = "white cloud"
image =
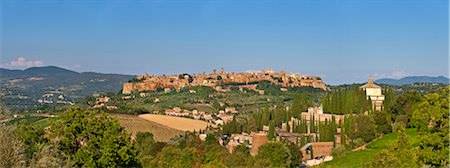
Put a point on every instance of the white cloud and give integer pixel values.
(396, 74)
(399, 74)
(379, 75)
(22, 62)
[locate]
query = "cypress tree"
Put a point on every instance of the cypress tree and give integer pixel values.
(293, 126)
(302, 141)
(305, 126)
(271, 135)
(288, 127)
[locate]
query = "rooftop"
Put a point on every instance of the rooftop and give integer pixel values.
(370, 84)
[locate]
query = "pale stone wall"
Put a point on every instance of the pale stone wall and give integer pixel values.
(373, 91)
(258, 140)
(127, 88)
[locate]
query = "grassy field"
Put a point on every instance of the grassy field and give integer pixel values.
(179, 123)
(30, 119)
(362, 157)
(134, 124)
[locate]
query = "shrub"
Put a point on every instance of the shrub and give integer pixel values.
(356, 143)
(340, 151)
(276, 153)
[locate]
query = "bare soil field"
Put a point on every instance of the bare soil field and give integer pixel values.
(179, 123)
(135, 124)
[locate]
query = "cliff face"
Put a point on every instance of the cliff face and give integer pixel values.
(179, 81)
(127, 88)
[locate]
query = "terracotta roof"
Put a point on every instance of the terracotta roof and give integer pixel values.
(370, 84)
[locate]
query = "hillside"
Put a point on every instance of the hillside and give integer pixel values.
(23, 88)
(134, 124)
(361, 158)
(413, 79)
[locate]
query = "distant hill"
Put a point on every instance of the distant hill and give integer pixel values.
(26, 87)
(413, 79)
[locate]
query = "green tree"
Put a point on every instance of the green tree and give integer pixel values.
(30, 135)
(296, 155)
(239, 158)
(363, 127)
(403, 106)
(382, 122)
(276, 153)
(176, 157)
(312, 126)
(431, 119)
(342, 133)
(144, 144)
(300, 103)
(271, 134)
(91, 139)
(389, 98)
(346, 100)
(214, 164)
(399, 154)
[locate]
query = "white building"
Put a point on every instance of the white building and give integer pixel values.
(373, 92)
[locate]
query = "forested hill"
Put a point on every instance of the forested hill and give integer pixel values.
(25, 87)
(413, 79)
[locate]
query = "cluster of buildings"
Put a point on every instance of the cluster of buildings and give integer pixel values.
(101, 102)
(214, 79)
(52, 97)
(223, 117)
(310, 150)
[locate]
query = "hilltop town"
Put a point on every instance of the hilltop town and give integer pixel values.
(247, 80)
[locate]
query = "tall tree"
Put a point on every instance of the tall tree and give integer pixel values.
(176, 157)
(399, 154)
(382, 122)
(271, 134)
(276, 153)
(300, 104)
(431, 118)
(91, 139)
(362, 127)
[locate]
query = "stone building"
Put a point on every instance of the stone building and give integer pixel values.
(258, 139)
(316, 149)
(373, 92)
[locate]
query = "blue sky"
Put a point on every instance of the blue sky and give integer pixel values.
(343, 41)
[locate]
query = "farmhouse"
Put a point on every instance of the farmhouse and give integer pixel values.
(316, 149)
(230, 110)
(226, 117)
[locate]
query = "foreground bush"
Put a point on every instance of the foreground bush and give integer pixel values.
(90, 139)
